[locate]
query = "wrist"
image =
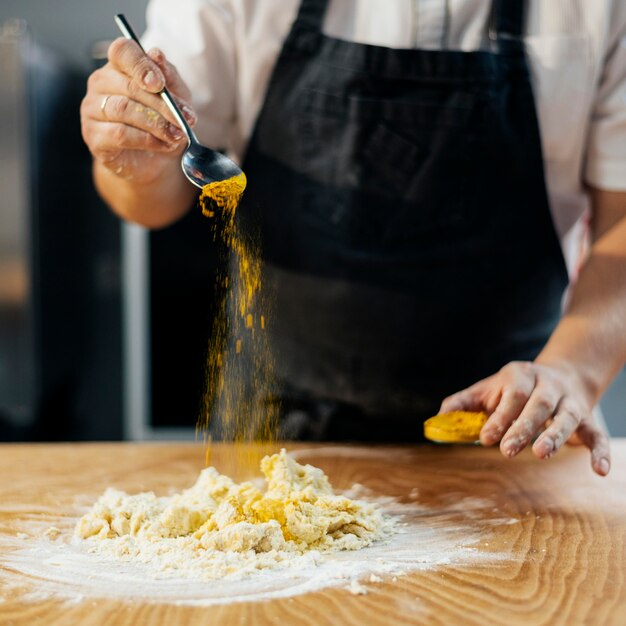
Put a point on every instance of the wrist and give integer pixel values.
(154, 202)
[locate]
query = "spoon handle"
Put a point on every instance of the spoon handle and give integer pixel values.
(129, 33)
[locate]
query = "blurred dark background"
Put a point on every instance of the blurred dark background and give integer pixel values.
(103, 326)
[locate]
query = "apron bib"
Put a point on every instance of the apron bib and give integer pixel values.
(408, 244)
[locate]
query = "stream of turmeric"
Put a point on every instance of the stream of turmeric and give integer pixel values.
(237, 404)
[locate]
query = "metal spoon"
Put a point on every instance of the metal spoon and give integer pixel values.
(200, 164)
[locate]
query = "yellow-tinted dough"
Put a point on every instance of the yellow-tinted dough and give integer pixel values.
(298, 512)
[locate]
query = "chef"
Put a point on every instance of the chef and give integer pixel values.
(440, 189)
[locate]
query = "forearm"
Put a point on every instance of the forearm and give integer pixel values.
(153, 204)
(591, 337)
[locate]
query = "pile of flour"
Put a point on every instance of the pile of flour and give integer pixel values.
(220, 529)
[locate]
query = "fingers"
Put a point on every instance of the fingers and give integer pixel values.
(518, 382)
(540, 407)
(151, 73)
(123, 110)
(131, 60)
(114, 101)
(108, 82)
(125, 124)
(597, 440)
(563, 426)
(174, 82)
(512, 403)
(109, 140)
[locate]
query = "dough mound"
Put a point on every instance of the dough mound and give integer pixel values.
(232, 528)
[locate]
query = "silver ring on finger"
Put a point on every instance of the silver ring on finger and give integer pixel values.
(103, 106)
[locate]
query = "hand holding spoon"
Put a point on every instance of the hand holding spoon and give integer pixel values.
(200, 164)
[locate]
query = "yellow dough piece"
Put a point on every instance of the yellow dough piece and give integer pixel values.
(455, 427)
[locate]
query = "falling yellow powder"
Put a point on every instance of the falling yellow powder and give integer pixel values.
(238, 404)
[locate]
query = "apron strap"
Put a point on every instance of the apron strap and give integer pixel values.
(312, 13)
(507, 19)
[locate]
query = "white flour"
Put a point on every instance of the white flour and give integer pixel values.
(409, 538)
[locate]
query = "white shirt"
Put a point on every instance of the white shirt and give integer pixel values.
(225, 50)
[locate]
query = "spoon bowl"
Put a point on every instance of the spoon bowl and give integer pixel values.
(200, 164)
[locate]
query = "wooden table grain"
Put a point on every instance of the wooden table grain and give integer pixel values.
(569, 549)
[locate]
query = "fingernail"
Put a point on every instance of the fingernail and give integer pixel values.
(157, 54)
(546, 446)
(603, 466)
(174, 132)
(510, 450)
(190, 116)
(151, 81)
(511, 447)
(489, 436)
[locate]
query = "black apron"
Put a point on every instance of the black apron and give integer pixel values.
(407, 238)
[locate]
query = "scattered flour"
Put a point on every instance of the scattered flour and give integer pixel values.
(53, 532)
(356, 588)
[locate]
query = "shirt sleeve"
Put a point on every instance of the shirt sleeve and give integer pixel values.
(606, 148)
(197, 36)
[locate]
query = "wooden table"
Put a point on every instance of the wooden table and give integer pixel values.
(569, 548)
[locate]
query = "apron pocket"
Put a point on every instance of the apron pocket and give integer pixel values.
(406, 168)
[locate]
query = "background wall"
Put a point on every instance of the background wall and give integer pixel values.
(73, 313)
(614, 406)
(72, 26)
